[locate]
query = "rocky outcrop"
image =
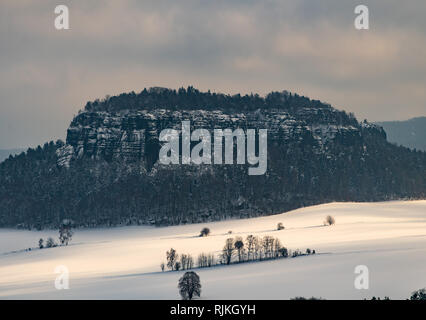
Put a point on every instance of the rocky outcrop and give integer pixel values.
(129, 135)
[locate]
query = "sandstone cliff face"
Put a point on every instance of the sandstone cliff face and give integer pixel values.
(133, 136)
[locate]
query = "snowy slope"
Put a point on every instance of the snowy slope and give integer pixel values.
(123, 263)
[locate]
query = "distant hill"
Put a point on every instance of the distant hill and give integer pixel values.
(5, 153)
(410, 133)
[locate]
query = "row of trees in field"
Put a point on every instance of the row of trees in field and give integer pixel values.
(254, 248)
(178, 262)
(235, 250)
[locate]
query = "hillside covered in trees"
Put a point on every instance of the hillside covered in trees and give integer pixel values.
(107, 172)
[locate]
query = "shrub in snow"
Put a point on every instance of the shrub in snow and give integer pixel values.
(205, 232)
(172, 257)
(296, 253)
(329, 220)
(283, 252)
(280, 226)
(50, 243)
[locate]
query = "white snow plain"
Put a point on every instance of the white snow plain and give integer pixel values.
(124, 263)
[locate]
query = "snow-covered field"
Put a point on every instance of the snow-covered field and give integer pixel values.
(124, 263)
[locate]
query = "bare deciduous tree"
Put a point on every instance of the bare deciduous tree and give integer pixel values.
(277, 247)
(257, 248)
(250, 246)
(172, 257)
(202, 260)
(267, 245)
(186, 261)
(228, 250)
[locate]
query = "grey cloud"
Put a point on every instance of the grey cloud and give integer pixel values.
(309, 47)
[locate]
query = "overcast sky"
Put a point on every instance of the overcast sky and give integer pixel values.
(309, 47)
